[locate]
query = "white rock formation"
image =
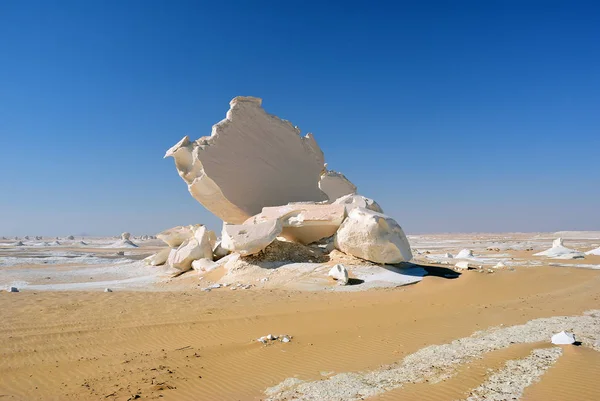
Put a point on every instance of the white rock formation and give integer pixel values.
(594, 252)
(304, 222)
(248, 239)
(335, 185)
(448, 255)
(159, 258)
(188, 251)
(462, 265)
(354, 201)
(372, 236)
(499, 265)
(125, 236)
(108, 290)
(563, 338)
(219, 252)
(176, 236)
(560, 251)
(13, 289)
(250, 160)
(70, 237)
(464, 254)
(339, 273)
(206, 240)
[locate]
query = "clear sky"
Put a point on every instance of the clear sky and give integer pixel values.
(454, 115)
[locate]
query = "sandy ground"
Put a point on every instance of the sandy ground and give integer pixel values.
(180, 343)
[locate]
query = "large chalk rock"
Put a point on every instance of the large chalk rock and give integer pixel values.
(248, 239)
(250, 160)
(335, 185)
(125, 236)
(197, 247)
(159, 258)
(563, 338)
(176, 236)
(354, 201)
(372, 236)
(303, 222)
(560, 251)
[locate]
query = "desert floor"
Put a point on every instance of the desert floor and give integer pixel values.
(167, 339)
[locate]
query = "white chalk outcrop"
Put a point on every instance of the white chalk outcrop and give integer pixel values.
(176, 236)
(304, 222)
(563, 338)
(560, 251)
(335, 185)
(199, 246)
(250, 160)
(594, 252)
(125, 236)
(159, 258)
(339, 273)
(464, 254)
(248, 239)
(354, 201)
(373, 236)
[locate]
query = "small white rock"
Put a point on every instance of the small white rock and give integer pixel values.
(499, 265)
(462, 265)
(285, 339)
(563, 338)
(339, 273)
(107, 290)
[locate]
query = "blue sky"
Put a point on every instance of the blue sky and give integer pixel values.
(455, 116)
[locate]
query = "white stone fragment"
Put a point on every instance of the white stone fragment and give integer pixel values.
(248, 239)
(335, 185)
(353, 201)
(462, 265)
(464, 254)
(188, 251)
(563, 338)
(372, 236)
(159, 258)
(304, 222)
(339, 273)
(108, 290)
(499, 265)
(250, 160)
(125, 236)
(594, 252)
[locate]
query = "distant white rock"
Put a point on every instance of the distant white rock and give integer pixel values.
(248, 239)
(464, 254)
(448, 255)
(353, 201)
(563, 338)
(70, 237)
(123, 243)
(462, 265)
(125, 236)
(339, 273)
(18, 243)
(594, 252)
(499, 265)
(159, 258)
(559, 251)
(336, 185)
(108, 290)
(372, 236)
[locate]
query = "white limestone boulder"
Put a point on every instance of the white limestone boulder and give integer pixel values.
(190, 250)
(372, 236)
(563, 338)
(248, 239)
(159, 258)
(354, 201)
(204, 265)
(206, 240)
(304, 222)
(595, 252)
(462, 265)
(250, 160)
(465, 254)
(335, 185)
(176, 236)
(125, 236)
(339, 273)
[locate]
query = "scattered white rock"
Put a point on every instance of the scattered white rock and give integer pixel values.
(250, 160)
(335, 185)
(206, 240)
(220, 252)
(175, 236)
(18, 243)
(462, 265)
(594, 252)
(248, 239)
(108, 290)
(448, 256)
(70, 237)
(499, 265)
(339, 273)
(563, 338)
(372, 236)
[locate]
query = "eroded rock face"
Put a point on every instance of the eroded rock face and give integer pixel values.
(304, 222)
(190, 250)
(335, 185)
(248, 239)
(373, 236)
(159, 258)
(125, 236)
(251, 160)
